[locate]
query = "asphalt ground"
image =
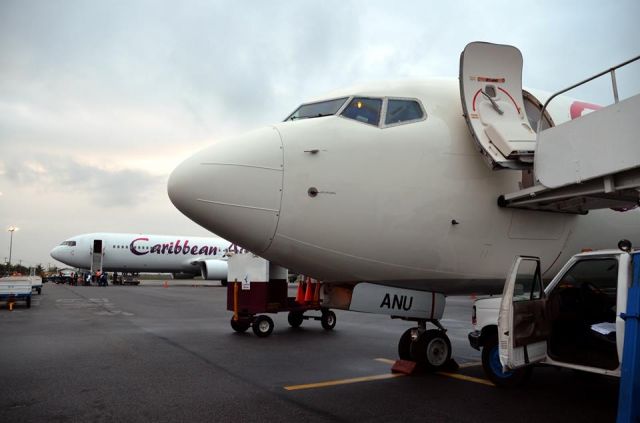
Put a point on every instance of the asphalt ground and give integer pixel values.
(149, 353)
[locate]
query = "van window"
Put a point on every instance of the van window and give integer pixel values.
(365, 110)
(528, 285)
(599, 275)
(399, 111)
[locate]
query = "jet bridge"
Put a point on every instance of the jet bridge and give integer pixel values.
(588, 163)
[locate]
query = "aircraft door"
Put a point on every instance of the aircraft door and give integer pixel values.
(97, 254)
(523, 324)
(493, 105)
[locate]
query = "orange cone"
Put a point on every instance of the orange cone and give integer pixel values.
(300, 294)
(308, 295)
(316, 293)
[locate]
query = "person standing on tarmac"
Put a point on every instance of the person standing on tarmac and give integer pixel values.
(103, 279)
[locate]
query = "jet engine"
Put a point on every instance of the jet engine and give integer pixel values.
(214, 270)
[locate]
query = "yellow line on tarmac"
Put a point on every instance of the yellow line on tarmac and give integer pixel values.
(453, 375)
(343, 381)
(467, 378)
(388, 376)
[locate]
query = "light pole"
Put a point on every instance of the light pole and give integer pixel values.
(11, 229)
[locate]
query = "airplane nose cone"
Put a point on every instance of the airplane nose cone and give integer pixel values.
(234, 188)
(55, 253)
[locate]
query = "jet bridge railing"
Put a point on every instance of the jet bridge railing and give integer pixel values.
(588, 163)
(614, 86)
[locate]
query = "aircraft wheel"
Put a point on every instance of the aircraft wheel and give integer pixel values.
(240, 326)
(328, 320)
(493, 368)
(28, 302)
(263, 326)
(295, 319)
(404, 345)
(432, 349)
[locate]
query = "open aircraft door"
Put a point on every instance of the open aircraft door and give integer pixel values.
(97, 254)
(493, 105)
(523, 324)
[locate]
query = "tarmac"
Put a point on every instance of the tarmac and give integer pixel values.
(150, 353)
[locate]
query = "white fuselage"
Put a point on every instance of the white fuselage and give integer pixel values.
(141, 253)
(386, 199)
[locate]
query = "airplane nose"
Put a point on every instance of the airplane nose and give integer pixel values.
(233, 188)
(55, 253)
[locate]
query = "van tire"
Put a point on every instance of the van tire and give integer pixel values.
(492, 367)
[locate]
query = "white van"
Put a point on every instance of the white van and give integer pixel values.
(574, 322)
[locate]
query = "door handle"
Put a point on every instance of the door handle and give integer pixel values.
(312, 151)
(493, 103)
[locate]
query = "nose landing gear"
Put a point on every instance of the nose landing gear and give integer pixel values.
(429, 348)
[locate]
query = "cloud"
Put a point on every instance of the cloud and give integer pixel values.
(108, 187)
(100, 100)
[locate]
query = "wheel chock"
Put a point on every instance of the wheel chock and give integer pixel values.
(404, 366)
(451, 366)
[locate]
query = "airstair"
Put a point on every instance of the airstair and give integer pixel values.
(588, 163)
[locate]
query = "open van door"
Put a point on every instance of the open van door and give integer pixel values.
(523, 324)
(493, 105)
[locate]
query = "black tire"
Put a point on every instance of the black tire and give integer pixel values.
(295, 319)
(28, 302)
(39, 291)
(262, 326)
(404, 346)
(328, 320)
(493, 369)
(240, 326)
(223, 283)
(432, 350)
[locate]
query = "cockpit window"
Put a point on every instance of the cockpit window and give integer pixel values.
(365, 110)
(323, 108)
(69, 243)
(402, 111)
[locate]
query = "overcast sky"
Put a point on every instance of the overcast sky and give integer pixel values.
(99, 100)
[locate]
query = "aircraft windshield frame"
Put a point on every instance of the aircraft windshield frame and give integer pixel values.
(69, 243)
(318, 109)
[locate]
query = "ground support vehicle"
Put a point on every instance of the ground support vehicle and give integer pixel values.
(15, 288)
(36, 283)
(126, 279)
(585, 319)
(256, 286)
